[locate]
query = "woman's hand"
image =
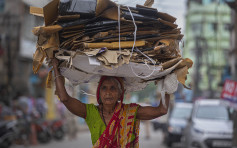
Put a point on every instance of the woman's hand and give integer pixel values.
(73, 105)
(149, 112)
(55, 63)
(60, 89)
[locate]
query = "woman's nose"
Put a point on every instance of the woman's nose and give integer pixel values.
(107, 92)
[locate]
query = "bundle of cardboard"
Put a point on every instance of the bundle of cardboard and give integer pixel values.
(98, 37)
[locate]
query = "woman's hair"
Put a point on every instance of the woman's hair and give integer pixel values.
(117, 82)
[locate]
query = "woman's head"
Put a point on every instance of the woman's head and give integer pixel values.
(110, 90)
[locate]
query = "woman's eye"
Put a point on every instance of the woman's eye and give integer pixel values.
(113, 88)
(103, 88)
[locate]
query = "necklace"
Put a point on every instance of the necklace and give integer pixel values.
(103, 116)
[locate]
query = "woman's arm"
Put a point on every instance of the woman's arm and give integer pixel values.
(149, 112)
(73, 105)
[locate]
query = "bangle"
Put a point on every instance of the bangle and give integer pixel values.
(57, 76)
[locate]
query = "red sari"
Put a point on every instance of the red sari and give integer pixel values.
(123, 128)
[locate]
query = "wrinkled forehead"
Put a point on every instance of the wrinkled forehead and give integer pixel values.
(111, 81)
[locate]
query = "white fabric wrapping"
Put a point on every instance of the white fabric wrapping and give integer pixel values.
(168, 85)
(171, 83)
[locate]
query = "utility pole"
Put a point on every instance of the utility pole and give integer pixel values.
(235, 77)
(201, 44)
(198, 52)
(9, 59)
(233, 5)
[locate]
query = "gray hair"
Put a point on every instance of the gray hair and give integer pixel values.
(118, 84)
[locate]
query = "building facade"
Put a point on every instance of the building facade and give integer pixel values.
(10, 21)
(207, 43)
(16, 49)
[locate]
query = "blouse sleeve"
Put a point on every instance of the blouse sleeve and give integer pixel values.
(89, 112)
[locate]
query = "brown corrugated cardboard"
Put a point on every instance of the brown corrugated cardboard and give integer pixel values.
(49, 12)
(100, 46)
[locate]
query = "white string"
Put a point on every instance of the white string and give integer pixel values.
(153, 62)
(71, 86)
(85, 93)
(135, 35)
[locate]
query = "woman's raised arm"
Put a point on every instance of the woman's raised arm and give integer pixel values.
(73, 105)
(149, 112)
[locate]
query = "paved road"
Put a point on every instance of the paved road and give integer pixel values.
(83, 140)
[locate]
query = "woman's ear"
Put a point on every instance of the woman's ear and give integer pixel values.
(121, 95)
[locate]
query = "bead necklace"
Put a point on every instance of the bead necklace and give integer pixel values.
(103, 116)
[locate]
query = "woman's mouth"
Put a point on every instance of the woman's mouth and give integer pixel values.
(108, 99)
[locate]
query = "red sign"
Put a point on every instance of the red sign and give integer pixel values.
(229, 90)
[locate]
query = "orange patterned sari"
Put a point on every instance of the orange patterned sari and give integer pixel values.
(122, 130)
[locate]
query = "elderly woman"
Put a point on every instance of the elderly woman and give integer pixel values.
(111, 123)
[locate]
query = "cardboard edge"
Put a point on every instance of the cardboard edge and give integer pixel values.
(36, 11)
(50, 12)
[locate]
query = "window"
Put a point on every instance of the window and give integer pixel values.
(2, 3)
(181, 113)
(214, 26)
(228, 27)
(212, 112)
(211, 1)
(197, 1)
(196, 27)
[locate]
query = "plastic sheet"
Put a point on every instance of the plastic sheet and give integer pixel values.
(86, 8)
(153, 13)
(137, 17)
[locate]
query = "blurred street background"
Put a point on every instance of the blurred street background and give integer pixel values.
(83, 140)
(32, 116)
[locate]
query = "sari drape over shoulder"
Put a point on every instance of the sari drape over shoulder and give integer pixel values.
(122, 130)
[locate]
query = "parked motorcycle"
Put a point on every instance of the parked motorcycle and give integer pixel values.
(43, 131)
(57, 129)
(46, 130)
(7, 133)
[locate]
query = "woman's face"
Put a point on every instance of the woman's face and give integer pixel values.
(109, 92)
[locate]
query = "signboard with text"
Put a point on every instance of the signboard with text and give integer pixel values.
(229, 93)
(229, 90)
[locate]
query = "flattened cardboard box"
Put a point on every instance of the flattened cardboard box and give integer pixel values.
(49, 12)
(85, 71)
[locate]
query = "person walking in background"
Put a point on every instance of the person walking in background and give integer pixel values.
(24, 118)
(41, 106)
(71, 124)
(188, 94)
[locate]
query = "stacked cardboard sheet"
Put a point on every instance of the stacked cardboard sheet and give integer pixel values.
(98, 37)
